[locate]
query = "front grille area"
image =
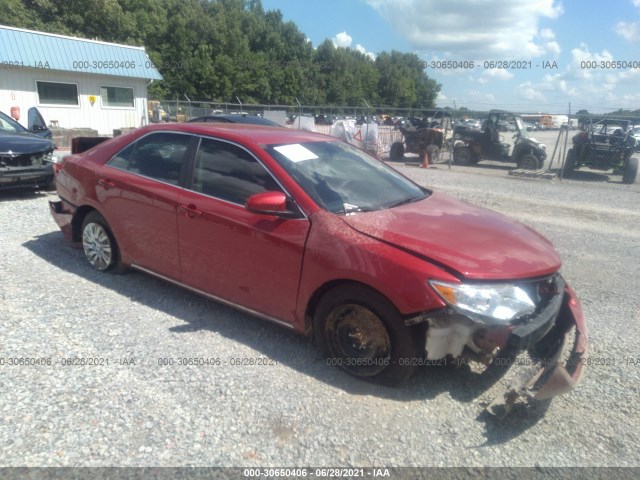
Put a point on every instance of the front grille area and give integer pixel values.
(24, 160)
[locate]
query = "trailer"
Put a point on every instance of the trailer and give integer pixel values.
(553, 122)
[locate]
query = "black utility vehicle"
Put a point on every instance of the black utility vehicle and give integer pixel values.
(472, 145)
(608, 144)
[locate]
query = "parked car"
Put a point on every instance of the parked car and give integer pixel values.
(322, 119)
(473, 124)
(26, 155)
(316, 235)
(235, 118)
(608, 144)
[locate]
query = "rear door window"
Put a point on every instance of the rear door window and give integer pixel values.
(159, 156)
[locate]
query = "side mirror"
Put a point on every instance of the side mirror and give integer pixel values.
(269, 203)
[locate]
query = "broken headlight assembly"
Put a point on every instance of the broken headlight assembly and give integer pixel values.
(486, 303)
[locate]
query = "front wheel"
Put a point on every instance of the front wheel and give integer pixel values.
(99, 244)
(630, 170)
(463, 156)
(362, 333)
(529, 162)
(569, 163)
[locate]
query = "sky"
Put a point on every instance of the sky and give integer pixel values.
(523, 55)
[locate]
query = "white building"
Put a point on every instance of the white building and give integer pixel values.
(74, 82)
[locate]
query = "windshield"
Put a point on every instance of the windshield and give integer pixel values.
(343, 179)
(520, 126)
(8, 124)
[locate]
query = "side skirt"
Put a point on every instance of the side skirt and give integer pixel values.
(213, 297)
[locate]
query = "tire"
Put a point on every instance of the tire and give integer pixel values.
(362, 333)
(397, 152)
(630, 170)
(569, 163)
(529, 162)
(99, 244)
(463, 156)
(434, 154)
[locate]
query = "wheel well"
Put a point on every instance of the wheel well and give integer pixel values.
(322, 290)
(76, 223)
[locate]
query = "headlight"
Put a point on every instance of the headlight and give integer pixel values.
(497, 302)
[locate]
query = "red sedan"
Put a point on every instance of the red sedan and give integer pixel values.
(314, 234)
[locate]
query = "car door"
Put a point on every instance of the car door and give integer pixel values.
(36, 123)
(138, 190)
(248, 259)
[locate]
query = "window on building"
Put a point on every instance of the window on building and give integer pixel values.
(54, 93)
(117, 97)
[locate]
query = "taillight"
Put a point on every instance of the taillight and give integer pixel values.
(57, 166)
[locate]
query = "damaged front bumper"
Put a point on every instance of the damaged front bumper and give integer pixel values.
(40, 175)
(555, 339)
(558, 360)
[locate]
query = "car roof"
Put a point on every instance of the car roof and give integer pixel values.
(243, 132)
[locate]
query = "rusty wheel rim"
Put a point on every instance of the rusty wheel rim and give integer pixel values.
(358, 340)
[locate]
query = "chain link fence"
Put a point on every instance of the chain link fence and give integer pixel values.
(602, 146)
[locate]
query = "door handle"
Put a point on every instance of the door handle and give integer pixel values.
(190, 210)
(106, 183)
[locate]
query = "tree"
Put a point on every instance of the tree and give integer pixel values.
(220, 49)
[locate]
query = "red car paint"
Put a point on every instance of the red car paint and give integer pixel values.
(474, 241)
(278, 267)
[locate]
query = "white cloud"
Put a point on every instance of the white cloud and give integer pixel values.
(596, 89)
(468, 29)
(342, 39)
(529, 91)
(495, 74)
(628, 31)
(479, 97)
(363, 51)
(547, 34)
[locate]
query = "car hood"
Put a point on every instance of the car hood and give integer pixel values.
(473, 241)
(20, 143)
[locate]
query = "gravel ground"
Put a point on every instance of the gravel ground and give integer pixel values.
(296, 410)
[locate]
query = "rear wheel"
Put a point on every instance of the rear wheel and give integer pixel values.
(99, 244)
(463, 156)
(569, 163)
(362, 333)
(397, 152)
(529, 162)
(630, 170)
